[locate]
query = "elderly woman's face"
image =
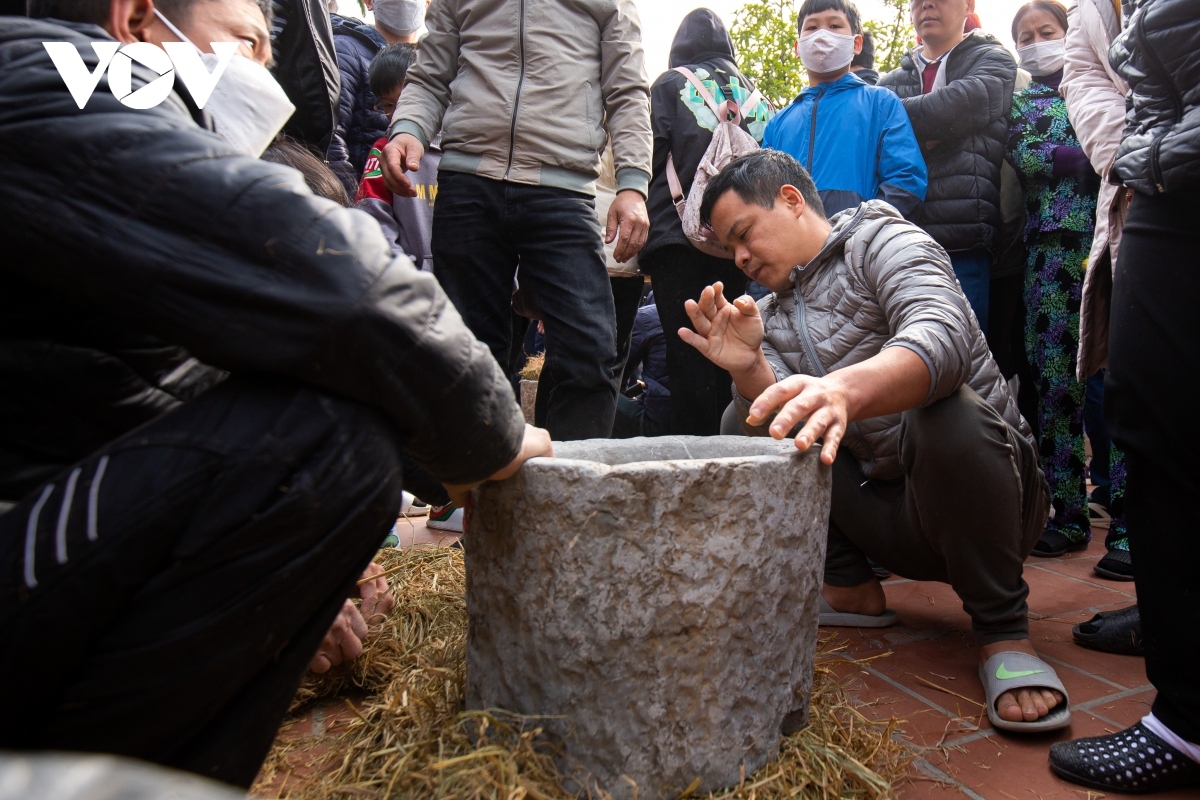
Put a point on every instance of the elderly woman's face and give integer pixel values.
(1038, 26)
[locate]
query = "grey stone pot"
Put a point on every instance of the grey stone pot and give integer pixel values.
(658, 597)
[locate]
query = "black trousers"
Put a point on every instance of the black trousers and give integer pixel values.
(700, 390)
(162, 598)
(935, 525)
(481, 229)
(627, 297)
(1152, 359)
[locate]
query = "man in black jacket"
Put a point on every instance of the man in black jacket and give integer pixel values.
(180, 543)
(957, 90)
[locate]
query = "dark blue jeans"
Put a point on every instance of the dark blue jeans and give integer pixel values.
(1097, 432)
(482, 228)
(973, 268)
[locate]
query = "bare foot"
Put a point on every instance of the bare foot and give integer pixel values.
(1021, 705)
(866, 598)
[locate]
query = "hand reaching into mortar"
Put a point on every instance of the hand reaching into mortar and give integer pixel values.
(536, 442)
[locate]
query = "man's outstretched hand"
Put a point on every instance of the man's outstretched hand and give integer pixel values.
(728, 334)
(344, 641)
(401, 155)
(894, 380)
(628, 220)
(821, 403)
(535, 443)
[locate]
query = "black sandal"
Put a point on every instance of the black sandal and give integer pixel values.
(1116, 566)
(1132, 761)
(1117, 632)
(1054, 544)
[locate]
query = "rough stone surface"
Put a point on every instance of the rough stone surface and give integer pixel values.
(528, 399)
(660, 595)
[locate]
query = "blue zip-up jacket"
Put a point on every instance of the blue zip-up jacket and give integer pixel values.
(856, 142)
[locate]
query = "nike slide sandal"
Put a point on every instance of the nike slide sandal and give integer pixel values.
(828, 618)
(1010, 670)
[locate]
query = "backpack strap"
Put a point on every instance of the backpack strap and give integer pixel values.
(675, 186)
(753, 100)
(701, 90)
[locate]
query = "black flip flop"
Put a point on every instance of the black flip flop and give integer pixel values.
(1117, 565)
(1117, 632)
(1053, 544)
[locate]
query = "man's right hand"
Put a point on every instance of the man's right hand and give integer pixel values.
(402, 154)
(728, 334)
(536, 442)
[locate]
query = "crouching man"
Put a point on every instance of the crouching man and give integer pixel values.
(868, 341)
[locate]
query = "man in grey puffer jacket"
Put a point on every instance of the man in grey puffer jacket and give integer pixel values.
(868, 336)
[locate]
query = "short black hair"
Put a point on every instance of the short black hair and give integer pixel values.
(93, 11)
(865, 59)
(757, 178)
(96, 11)
(389, 66)
(317, 174)
(817, 6)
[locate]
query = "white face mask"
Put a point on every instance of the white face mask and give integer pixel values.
(247, 104)
(824, 51)
(1043, 58)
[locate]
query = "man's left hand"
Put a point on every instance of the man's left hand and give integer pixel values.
(627, 216)
(821, 402)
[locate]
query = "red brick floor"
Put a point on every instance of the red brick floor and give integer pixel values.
(926, 675)
(924, 672)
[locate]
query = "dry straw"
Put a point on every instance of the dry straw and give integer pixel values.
(409, 737)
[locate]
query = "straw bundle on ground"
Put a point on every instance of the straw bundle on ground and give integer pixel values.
(411, 738)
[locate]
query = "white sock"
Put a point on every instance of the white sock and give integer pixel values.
(1155, 726)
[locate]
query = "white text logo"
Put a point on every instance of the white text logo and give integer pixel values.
(180, 57)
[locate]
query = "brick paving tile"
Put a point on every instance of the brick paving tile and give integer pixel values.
(1053, 639)
(1052, 593)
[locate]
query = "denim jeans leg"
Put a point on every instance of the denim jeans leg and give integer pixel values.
(973, 268)
(1097, 433)
(474, 258)
(558, 237)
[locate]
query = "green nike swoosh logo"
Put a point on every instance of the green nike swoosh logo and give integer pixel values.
(1003, 674)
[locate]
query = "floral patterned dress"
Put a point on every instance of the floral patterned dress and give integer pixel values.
(1060, 190)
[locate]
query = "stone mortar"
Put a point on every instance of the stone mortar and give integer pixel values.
(659, 596)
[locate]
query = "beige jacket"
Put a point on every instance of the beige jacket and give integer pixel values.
(880, 282)
(527, 91)
(1095, 97)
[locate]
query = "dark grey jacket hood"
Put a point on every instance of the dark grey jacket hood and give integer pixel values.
(701, 36)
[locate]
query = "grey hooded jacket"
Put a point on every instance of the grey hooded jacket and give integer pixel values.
(525, 90)
(880, 282)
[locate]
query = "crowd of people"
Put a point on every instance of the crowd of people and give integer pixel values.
(236, 345)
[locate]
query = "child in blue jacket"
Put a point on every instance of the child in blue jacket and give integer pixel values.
(854, 139)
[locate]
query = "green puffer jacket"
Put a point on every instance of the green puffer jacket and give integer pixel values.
(524, 90)
(880, 282)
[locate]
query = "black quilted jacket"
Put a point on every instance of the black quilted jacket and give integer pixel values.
(1159, 55)
(962, 129)
(139, 246)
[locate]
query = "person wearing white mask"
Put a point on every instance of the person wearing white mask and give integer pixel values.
(1060, 189)
(854, 139)
(211, 379)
